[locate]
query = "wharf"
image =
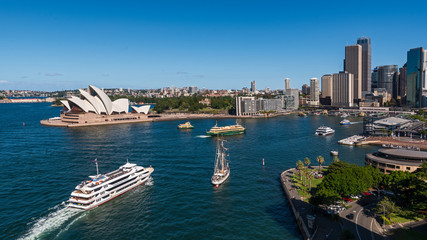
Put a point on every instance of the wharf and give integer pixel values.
(404, 142)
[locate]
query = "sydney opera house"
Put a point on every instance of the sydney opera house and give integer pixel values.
(94, 107)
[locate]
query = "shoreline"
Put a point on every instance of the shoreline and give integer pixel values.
(161, 118)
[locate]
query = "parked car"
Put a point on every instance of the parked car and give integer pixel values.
(366, 193)
(350, 216)
(347, 199)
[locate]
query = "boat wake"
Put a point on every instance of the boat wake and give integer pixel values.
(203, 136)
(149, 182)
(57, 221)
(355, 123)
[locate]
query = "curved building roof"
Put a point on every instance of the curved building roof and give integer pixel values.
(403, 153)
(104, 98)
(121, 105)
(82, 104)
(143, 109)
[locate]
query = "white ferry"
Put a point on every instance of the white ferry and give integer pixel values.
(104, 187)
(324, 131)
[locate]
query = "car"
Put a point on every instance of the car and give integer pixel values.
(366, 193)
(347, 199)
(350, 216)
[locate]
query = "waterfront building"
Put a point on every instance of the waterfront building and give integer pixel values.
(291, 99)
(365, 42)
(314, 89)
(342, 89)
(353, 65)
(387, 75)
(253, 87)
(305, 89)
(253, 106)
(415, 77)
(327, 85)
(94, 106)
(287, 83)
(389, 160)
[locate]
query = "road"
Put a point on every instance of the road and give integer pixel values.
(364, 226)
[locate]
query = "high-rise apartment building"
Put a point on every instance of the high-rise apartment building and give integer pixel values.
(365, 42)
(287, 83)
(415, 76)
(327, 86)
(387, 75)
(253, 87)
(305, 89)
(314, 89)
(342, 89)
(374, 79)
(353, 65)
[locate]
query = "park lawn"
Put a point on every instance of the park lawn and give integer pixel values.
(404, 216)
(303, 190)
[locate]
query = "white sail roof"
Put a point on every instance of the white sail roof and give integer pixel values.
(121, 105)
(104, 98)
(82, 104)
(142, 109)
(66, 104)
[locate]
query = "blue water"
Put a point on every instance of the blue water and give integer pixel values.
(40, 166)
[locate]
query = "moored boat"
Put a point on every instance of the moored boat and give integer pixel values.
(104, 187)
(334, 153)
(186, 125)
(226, 130)
(324, 131)
(222, 169)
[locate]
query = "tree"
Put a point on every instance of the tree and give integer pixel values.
(300, 166)
(307, 161)
(388, 206)
(336, 159)
(320, 160)
(310, 177)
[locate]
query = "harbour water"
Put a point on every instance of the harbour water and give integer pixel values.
(40, 166)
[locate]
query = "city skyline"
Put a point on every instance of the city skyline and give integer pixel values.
(54, 46)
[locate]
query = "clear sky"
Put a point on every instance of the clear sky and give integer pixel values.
(55, 45)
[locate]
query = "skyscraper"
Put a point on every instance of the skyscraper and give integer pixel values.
(305, 89)
(353, 64)
(374, 79)
(327, 86)
(287, 83)
(342, 89)
(387, 74)
(314, 89)
(365, 42)
(415, 71)
(253, 87)
(402, 82)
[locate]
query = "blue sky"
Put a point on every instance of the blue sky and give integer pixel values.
(55, 45)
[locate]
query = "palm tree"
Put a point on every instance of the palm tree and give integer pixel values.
(336, 159)
(310, 176)
(307, 161)
(300, 166)
(320, 160)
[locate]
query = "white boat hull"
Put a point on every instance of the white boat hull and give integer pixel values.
(220, 179)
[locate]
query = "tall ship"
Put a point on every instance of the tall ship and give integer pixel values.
(104, 187)
(324, 131)
(226, 130)
(222, 169)
(186, 125)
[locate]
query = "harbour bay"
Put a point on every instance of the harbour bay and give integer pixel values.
(42, 165)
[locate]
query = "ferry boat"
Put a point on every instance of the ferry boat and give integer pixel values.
(222, 169)
(324, 131)
(186, 125)
(104, 187)
(345, 122)
(226, 130)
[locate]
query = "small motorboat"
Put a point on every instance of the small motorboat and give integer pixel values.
(334, 153)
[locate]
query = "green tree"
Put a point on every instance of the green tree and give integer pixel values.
(307, 161)
(387, 205)
(300, 167)
(320, 160)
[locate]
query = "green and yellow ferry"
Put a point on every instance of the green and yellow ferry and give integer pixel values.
(226, 130)
(186, 125)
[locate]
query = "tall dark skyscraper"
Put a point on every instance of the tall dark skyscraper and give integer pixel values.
(365, 42)
(414, 77)
(387, 78)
